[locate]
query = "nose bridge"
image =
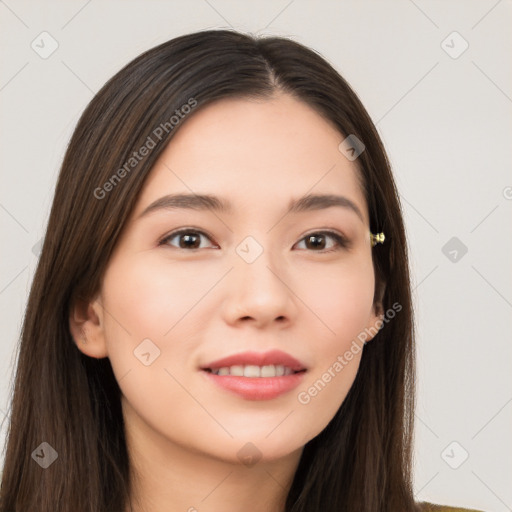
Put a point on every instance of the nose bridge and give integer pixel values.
(256, 261)
(259, 279)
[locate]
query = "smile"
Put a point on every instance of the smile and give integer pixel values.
(256, 375)
(253, 371)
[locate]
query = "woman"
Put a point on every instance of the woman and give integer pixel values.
(221, 315)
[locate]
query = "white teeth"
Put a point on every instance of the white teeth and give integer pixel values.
(268, 371)
(236, 370)
(254, 371)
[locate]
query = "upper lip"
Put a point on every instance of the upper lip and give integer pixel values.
(275, 357)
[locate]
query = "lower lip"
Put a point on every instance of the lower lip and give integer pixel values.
(257, 388)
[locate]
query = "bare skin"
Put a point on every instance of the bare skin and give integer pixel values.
(199, 304)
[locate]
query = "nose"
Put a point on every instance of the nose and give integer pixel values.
(259, 292)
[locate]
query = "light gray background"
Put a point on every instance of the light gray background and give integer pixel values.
(446, 123)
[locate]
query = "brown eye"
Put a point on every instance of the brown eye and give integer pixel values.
(317, 241)
(187, 239)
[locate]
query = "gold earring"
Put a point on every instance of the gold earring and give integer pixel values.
(377, 238)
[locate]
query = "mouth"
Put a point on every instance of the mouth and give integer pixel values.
(266, 362)
(256, 376)
(254, 371)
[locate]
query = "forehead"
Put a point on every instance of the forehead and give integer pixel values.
(259, 154)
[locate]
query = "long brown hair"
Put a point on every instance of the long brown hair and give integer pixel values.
(362, 460)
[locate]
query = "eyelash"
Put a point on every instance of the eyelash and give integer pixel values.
(342, 242)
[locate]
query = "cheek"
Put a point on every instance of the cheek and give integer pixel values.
(152, 298)
(149, 298)
(341, 299)
(342, 304)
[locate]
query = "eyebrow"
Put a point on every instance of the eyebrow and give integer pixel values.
(208, 202)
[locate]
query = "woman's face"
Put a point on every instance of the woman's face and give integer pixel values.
(250, 278)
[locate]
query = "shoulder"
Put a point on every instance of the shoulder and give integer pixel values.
(434, 507)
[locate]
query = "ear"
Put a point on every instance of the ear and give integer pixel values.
(87, 327)
(375, 322)
(376, 319)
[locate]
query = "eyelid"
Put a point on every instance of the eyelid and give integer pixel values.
(343, 242)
